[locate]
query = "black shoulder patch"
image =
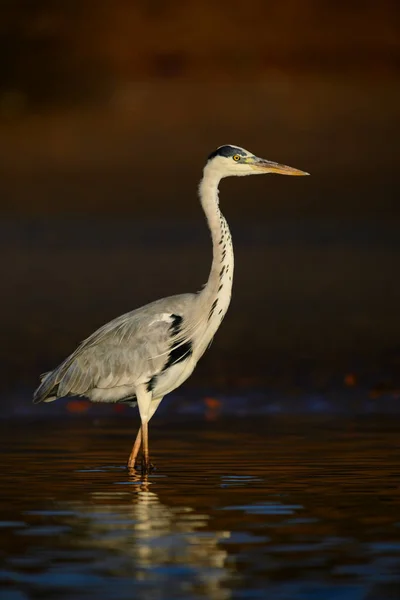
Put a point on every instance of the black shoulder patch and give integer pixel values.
(178, 354)
(226, 151)
(176, 324)
(151, 383)
(181, 350)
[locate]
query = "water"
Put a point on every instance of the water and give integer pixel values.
(283, 508)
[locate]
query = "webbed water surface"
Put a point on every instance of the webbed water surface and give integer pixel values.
(267, 507)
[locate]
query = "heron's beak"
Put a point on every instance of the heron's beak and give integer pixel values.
(267, 166)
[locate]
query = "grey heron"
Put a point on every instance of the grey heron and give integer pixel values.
(145, 354)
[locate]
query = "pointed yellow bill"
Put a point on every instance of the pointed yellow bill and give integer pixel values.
(267, 166)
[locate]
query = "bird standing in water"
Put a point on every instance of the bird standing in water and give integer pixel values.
(145, 354)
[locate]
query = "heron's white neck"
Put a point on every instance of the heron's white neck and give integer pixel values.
(218, 289)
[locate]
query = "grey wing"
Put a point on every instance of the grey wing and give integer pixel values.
(125, 352)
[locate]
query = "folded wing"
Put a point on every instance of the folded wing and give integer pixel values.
(125, 352)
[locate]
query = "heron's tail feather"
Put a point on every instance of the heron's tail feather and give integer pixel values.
(47, 390)
(71, 378)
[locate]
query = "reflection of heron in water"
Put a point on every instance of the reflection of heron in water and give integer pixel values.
(152, 538)
(145, 354)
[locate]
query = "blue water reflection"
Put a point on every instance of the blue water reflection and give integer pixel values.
(309, 512)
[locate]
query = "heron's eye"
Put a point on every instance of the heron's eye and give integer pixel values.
(236, 157)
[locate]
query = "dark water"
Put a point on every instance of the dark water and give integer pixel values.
(282, 508)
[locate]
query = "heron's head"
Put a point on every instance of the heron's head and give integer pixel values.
(232, 160)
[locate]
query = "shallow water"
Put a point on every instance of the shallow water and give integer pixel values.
(281, 508)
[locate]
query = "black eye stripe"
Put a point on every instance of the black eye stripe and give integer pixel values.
(227, 152)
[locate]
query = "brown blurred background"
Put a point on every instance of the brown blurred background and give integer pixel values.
(108, 110)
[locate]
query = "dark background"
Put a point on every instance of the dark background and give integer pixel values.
(108, 110)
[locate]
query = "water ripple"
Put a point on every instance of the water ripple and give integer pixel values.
(308, 510)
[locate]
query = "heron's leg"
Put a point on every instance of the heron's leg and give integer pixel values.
(135, 450)
(146, 466)
(153, 407)
(145, 436)
(144, 398)
(136, 446)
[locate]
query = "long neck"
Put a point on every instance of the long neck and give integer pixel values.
(219, 284)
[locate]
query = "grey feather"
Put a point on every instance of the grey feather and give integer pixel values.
(154, 349)
(145, 354)
(132, 346)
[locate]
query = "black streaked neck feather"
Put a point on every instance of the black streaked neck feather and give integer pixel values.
(219, 282)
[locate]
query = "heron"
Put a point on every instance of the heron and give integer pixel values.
(143, 355)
